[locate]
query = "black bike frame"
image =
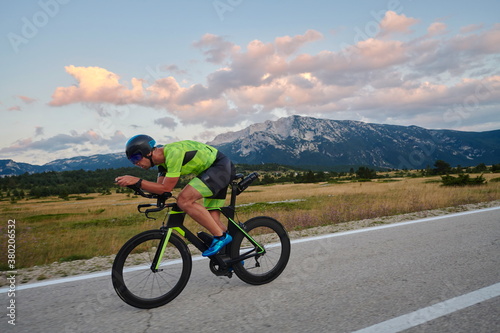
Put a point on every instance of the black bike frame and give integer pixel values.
(175, 222)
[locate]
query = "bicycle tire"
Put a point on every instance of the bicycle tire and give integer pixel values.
(272, 235)
(134, 281)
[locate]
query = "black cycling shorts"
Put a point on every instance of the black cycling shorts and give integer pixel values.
(218, 176)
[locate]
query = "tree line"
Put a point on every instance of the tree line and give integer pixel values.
(443, 168)
(64, 183)
(67, 183)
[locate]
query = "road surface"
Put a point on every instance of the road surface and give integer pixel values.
(440, 274)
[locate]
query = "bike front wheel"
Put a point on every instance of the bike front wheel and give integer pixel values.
(262, 268)
(137, 283)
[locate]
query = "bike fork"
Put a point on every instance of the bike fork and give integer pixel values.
(155, 265)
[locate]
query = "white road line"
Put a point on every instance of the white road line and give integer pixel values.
(58, 281)
(429, 313)
(296, 241)
(69, 279)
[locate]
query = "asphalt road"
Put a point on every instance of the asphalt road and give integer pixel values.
(432, 275)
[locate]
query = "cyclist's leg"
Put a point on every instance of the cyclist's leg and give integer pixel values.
(213, 183)
(212, 205)
(187, 201)
(216, 216)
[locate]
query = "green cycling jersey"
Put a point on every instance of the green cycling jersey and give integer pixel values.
(186, 157)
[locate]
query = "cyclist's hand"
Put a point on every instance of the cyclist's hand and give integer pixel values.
(126, 180)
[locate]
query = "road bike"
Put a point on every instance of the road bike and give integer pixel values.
(153, 267)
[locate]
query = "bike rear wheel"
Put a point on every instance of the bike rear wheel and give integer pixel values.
(264, 268)
(134, 280)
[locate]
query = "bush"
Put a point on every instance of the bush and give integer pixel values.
(462, 180)
(366, 173)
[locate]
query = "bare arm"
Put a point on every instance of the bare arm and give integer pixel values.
(163, 184)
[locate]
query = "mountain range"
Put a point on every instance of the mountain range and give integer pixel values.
(307, 141)
(94, 162)
(321, 144)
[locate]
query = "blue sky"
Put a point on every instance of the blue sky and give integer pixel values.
(80, 77)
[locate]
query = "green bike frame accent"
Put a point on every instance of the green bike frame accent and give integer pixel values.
(254, 243)
(160, 253)
(228, 212)
(164, 243)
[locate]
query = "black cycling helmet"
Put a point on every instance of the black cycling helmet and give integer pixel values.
(139, 146)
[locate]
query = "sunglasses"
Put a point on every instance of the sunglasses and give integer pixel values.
(135, 158)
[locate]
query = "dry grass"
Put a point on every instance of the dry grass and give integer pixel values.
(326, 204)
(52, 230)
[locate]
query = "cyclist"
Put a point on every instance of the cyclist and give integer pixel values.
(213, 170)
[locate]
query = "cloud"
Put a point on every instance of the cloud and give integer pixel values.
(465, 97)
(166, 122)
(39, 131)
(27, 100)
(376, 76)
(436, 28)
(74, 141)
(487, 42)
(96, 85)
(58, 142)
(288, 45)
(374, 54)
(395, 23)
(217, 49)
(174, 69)
(470, 28)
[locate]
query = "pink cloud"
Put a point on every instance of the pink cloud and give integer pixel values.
(468, 93)
(261, 77)
(374, 53)
(288, 45)
(96, 84)
(258, 64)
(471, 28)
(395, 23)
(302, 93)
(486, 42)
(163, 91)
(436, 28)
(27, 100)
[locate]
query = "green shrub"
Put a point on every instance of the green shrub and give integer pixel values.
(462, 180)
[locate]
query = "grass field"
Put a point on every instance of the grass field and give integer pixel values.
(54, 230)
